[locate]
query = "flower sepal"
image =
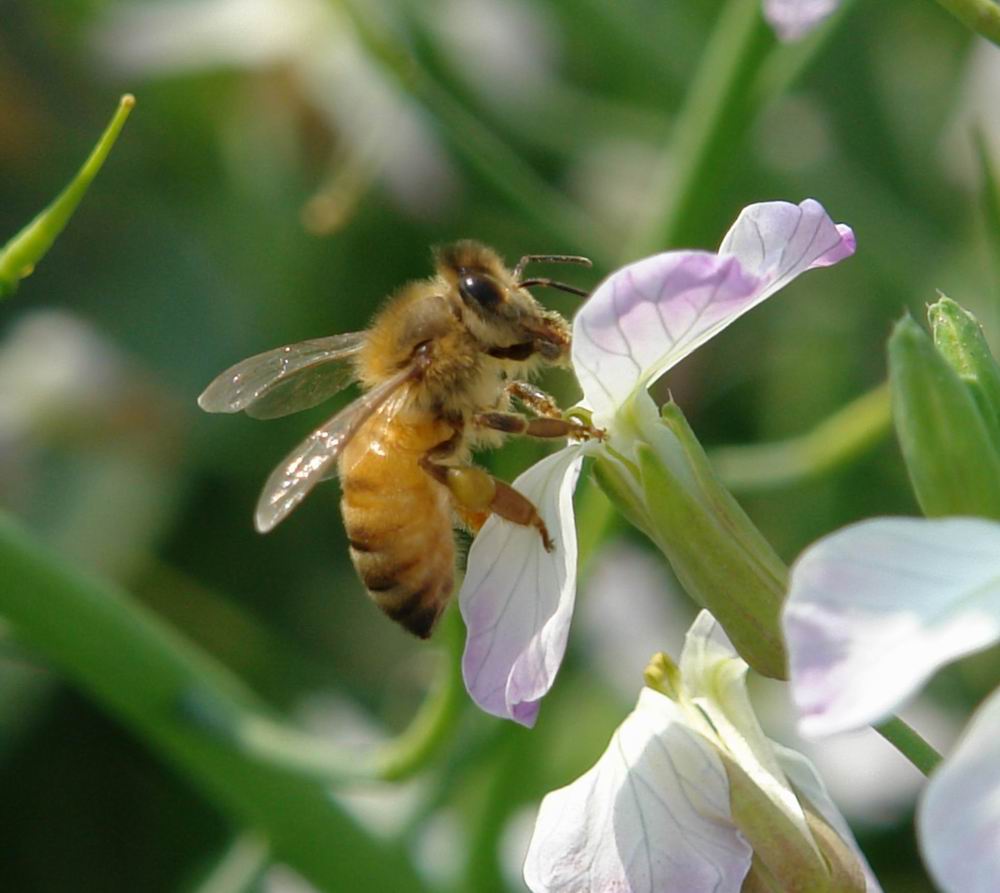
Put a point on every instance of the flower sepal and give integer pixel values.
(718, 554)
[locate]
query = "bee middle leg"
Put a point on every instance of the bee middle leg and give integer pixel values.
(478, 494)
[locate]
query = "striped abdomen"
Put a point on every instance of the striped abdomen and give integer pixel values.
(398, 522)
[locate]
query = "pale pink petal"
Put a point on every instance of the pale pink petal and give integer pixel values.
(652, 815)
(874, 609)
(958, 820)
(777, 241)
(648, 316)
(517, 599)
(792, 19)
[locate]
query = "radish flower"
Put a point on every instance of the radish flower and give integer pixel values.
(874, 610)
(691, 795)
(517, 599)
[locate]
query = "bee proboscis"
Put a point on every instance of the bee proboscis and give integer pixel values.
(439, 367)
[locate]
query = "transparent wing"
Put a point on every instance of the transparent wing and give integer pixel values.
(315, 459)
(285, 380)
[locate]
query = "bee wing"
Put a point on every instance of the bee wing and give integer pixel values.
(285, 380)
(315, 459)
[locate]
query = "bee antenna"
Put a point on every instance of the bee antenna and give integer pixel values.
(552, 283)
(550, 259)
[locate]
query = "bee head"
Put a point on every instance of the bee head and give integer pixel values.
(497, 310)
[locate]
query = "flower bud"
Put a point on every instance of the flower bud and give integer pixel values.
(953, 463)
(959, 338)
(718, 555)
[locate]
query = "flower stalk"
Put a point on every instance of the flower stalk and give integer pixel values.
(22, 253)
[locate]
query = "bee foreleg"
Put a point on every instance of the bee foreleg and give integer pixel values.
(475, 491)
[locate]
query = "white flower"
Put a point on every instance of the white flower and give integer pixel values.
(874, 610)
(316, 45)
(688, 792)
(517, 599)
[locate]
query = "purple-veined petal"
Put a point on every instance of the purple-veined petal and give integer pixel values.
(803, 775)
(652, 815)
(792, 19)
(517, 599)
(874, 609)
(958, 820)
(778, 241)
(648, 316)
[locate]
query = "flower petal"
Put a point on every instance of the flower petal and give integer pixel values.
(778, 241)
(958, 820)
(652, 814)
(876, 608)
(647, 316)
(792, 19)
(517, 599)
(803, 775)
(715, 680)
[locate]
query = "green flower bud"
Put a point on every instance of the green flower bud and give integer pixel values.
(952, 461)
(959, 339)
(718, 555)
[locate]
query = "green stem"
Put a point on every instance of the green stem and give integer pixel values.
(144, 673)
(20, 255)
(836, 440)
(709, 128)
(982, 16)
(291, 749)
(909, 744)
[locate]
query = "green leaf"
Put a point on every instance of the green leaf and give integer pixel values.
(22, 253)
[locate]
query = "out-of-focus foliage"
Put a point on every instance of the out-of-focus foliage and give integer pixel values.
(274, 186)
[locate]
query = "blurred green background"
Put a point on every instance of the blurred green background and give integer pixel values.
(289, 164)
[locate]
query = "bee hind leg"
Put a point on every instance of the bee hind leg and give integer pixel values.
(477, 493)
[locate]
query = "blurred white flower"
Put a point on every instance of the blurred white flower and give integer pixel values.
(69, 398)
(506, 48)
(976, 110)
(792, 19)
(617, 641)
(873, 611)
(316, 44)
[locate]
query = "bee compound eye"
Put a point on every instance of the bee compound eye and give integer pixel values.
(481, 289)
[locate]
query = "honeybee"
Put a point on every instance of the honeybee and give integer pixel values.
(439, 367)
